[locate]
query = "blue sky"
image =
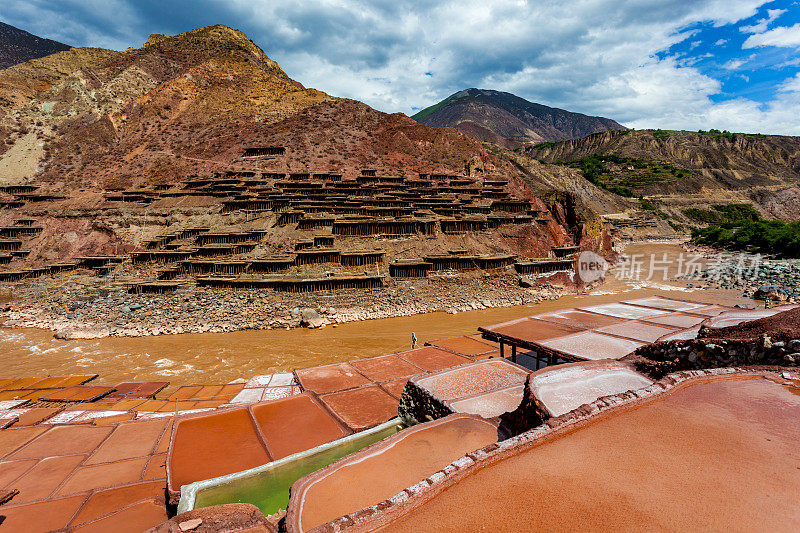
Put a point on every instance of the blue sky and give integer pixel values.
(688, 64)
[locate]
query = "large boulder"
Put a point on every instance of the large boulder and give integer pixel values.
(226, 517)
(770, 292)
(310, 318)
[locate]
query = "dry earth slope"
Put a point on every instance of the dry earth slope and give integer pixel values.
(721, 168)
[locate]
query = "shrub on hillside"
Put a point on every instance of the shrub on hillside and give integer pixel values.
(762, 236)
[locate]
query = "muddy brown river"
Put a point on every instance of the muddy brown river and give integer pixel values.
(224, 357)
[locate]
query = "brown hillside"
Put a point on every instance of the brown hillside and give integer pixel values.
(724, 168)
(117, 148)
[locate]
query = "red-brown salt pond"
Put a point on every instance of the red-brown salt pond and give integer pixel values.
(639, 331)
(232, 440)
(734, 318)
(330, 378)
(592, 346)
(209, 446)
(532, 329)
(465, 345)
(295, 424)
(363, 407)
(491, 404)
(382, 470)
(710, 455)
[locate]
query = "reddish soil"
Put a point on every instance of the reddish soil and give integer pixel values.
(229, 517)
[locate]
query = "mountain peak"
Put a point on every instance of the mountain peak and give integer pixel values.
(489, 115)
(18, 46)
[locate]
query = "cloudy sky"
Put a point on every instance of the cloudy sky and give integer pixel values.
(678, 64)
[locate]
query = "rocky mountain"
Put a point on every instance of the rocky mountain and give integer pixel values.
(18, 46)
(508, 120)
(81, 125)
(191, 103)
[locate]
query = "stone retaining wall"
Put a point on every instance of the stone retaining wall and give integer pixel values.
(661, 358)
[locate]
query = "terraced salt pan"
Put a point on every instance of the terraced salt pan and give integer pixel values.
(475, 378)
(593, 346)
(330, 378)
(677, 320)
(531, 329)
(564, 388)
(579, 319)
(666, 303)
(491, 404)
(734, 318)
(639, 331)
(684, 335)
(270, 380)
(463, 346)
(711, 310)
(10, 404)
(621, 310)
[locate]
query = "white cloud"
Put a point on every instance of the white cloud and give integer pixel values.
(792, 85)
(733, 64)
(762, 25)
(785, 36)
(600, 57)
(720, 42)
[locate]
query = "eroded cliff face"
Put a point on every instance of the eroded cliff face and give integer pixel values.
(666, 173)
(723, 167)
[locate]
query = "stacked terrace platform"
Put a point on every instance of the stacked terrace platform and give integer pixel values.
(598, 332)
(295, 284)
(544, 266)
(355, 208)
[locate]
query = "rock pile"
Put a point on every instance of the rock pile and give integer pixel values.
(778, 279)
(85, 308)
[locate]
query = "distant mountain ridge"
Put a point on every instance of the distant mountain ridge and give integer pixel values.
(508, 120)
(18, 46)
